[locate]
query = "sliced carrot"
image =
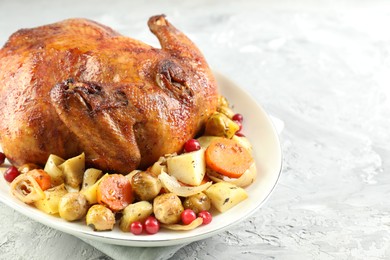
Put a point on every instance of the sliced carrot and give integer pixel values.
(43, 178)
(228, 157)
(115, 192)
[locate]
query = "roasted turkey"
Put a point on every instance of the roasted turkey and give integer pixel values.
(78, 86)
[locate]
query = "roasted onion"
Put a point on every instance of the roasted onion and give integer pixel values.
(246, 179)
(26, 189)
(171, 184)
(194, 224)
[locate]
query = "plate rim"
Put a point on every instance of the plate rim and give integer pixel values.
(134, 242)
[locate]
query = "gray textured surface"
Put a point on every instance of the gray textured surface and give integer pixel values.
(323, 67)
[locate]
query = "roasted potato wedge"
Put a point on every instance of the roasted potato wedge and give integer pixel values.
(52, 199)
(225, 195)
(138, 211)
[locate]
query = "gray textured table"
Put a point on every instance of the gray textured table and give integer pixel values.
(323, 67)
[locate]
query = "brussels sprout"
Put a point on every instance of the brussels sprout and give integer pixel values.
(222, 101)
(223, 107)
(145, 185)
(197, 202)
(219, 124)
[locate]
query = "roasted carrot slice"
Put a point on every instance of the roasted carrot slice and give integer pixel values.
(115, 192)
(43, 178)
(228, 157)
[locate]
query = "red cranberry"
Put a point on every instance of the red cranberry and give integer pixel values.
(238, 117)
(187, 216)
(240, 134)
(152, 226)
(206, 216)
(2, 158)
(136, 228)
(191, 146)
(11, 173)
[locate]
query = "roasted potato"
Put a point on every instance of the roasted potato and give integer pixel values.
(188, 168)
(51, 167)
(52, 199)
(138, 211)
(225, 195)
(100, 218)
(90, 191)
(72, 206)
(167, 208)
(73, 170)
(90, 177)
(243, 141)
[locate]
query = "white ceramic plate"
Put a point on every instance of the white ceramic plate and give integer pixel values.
(260, 131)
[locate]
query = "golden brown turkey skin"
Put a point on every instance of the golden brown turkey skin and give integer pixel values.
(78, 86)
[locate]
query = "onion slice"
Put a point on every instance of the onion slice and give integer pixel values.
(171, 184)
(131, 174)
(26, 189)
(194, 224)
(247, 178)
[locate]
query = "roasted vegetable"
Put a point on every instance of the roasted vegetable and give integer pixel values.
(167, 208)
(225, 195)
(243, 141)
(100, 218)
(171, 184)
(206, 140)
(223, 107)
(25, 168)
(247, 178)
(197, 202)
(26, 189)
(226, 111)
(219, 124)
(42, 178)
(52, 199)
(73, 206)
(160, 165)
(188, 168)
(178, 227)
(131, 174)
(228, 157)
(145, 186)
(115, 192)
(73, 170)
(138, 211)
(91, 191)
(90, 177)
(51, 167)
